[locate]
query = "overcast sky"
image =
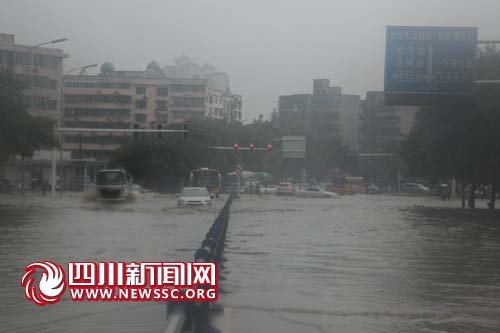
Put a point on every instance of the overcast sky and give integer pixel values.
(268, 47)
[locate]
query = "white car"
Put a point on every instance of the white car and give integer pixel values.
(315, 192)
(414, 188)
(285, 189)
(194, 196)
(268, 190)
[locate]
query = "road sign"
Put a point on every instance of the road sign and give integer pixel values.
(429, 62)
(293, 146)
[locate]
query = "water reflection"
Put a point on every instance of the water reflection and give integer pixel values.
(365, 264)
(356, 264)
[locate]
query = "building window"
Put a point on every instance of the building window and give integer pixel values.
(53, 104)
(84, 112)
(188, 101)
(140, 90)
(161, 105)
(90, 99)
(187, 88)
(97, 124)
(41, 103)
(140, 104)
(114, 85)
(162, 91)
(140, 118)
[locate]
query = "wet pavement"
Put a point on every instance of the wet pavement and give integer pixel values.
(354, 264)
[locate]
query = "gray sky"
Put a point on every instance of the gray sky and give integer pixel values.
(268, 47)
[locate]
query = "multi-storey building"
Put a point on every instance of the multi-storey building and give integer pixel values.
(350, 110)
(325, 113)
(384, 127)
(40, 69)
(220, 102)
(215, 103)
(98, 102)
(135, 99)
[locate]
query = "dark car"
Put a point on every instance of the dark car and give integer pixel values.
(5, 185)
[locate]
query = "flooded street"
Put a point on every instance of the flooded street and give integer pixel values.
(41, 228)
(361, 264)
(354, 264)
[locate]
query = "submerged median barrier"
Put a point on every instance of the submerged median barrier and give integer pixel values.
(197, 317)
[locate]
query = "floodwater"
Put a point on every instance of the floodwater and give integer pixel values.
(354, 264)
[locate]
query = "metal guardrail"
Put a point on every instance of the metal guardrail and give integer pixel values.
(195, 317)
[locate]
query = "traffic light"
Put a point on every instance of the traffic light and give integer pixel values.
(236, 147)
(185, 127)
(251, 147)
(269, 147)
(159, 134)
(136, 134)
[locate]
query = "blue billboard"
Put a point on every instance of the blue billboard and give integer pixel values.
(430, 60)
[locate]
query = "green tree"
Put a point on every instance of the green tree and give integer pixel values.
(172, 158)
(107, 67)
(155, 66)
(460, 141)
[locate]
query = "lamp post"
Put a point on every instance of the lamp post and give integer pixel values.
(61, 105)
(30, 52)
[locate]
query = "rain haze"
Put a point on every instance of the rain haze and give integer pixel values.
(268, 48)
(200, 166)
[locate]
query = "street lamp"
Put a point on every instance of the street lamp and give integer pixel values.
(61, 110)
(30, 52)
(82, 68)
(79, 68)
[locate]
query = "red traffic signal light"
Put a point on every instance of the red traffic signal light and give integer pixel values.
(269, 147)
(236, 147)
(251, 147)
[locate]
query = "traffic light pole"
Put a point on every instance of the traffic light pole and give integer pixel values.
(239, 148)
(120, 130)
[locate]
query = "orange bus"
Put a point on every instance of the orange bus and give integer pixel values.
(348, 185)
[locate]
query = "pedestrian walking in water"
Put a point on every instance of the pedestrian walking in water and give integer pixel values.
(45, 186)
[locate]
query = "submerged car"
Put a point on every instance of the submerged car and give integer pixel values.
(285, 189)
(194, 196)
(136, 191)
(315, 192)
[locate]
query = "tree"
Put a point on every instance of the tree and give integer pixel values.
(488, 65)
(461, 141)
(107, 68)
(155, 161)
(155, 66)
(20, 133)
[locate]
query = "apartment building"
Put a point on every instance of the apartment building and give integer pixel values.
(135, 99)
(40, 69)
(382, 127)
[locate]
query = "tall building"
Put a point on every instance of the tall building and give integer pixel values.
(350, 110)
(40, 69)
(135, 99)
(384, 127)
(186, 68)
(325, 112)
